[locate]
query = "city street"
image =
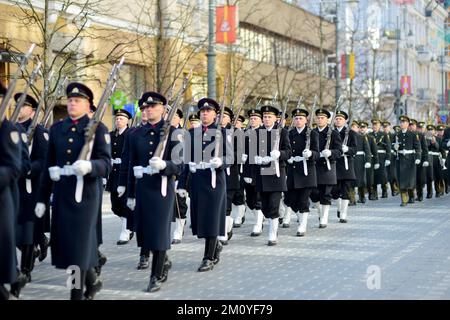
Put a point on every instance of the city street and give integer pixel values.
(384, 252)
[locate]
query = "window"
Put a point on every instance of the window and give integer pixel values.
(132, 81)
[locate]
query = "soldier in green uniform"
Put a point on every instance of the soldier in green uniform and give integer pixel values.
(407, 146)
(375, 163)
(444, 134)
(384, 151)
(390, 170)
(415, 127)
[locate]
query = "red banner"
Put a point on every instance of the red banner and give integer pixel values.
(405, 85)
(226, 24)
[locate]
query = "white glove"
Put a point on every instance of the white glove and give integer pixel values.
(425, 164)
(442, 163)
(307, 153)
(396, 146)
(275, 154)
(82, 167)
(326, 153)
(216, 162)
(138, 172)
(104, 181)
(182, 193)
(266, 160)
(121, 191)
(258, 160)
(55, 173)
(157, 163)
(448, 143)
(192, 167)
(39, 210)
(131, 203)
(417, 161)
(290, 160)
(244, 158)
(248, 180)
(376, 166)
(387, 163)
(368, 165)
(344, 149)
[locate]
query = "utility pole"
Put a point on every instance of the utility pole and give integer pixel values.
(338, 89)
(397, 78)
(211, 55)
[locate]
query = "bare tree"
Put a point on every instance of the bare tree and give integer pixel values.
(63, 30)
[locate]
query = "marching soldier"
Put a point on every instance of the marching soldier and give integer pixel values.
(123, 181)
(433, 172)
(424, 163)
(181, 207)
(238, 202)
(194, 120)
(251, 171)
(29, 184)
(363, 158)
(119, 204)
(345, 169)
(440, 134)
(446, 147)
(384, 153)
(232, 173)
(207, 183)
(151, 187)
(375, 164)
(301, 180)
(271, 162)
(407, 146)
(391, 170)
(74, 235)
(326, 166)
(10, 169)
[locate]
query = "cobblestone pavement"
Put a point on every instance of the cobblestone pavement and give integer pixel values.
(384, 252)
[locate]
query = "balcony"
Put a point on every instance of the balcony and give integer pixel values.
(424, 55)
(388, 39)
(426, 94)
(387, 88)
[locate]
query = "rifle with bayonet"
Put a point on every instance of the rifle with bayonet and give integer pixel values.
(13, 83)
(34, 121)
(218, 136)
(52, 103)
(165, 131)
(299, 103)
(279, 132)
(308, 135)
(23, 96)
(93, 124)
(330, 131)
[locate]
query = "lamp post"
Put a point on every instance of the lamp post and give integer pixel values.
(397, 104)
(211, 55)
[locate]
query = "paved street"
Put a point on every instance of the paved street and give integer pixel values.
(409, 247)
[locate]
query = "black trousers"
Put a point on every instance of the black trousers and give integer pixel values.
(252, 197)
(180, 208)
(270, 204)
(158, 260)
(322, 194)
(239, 197)
(298, 199)
(119, 205)
(342, 189)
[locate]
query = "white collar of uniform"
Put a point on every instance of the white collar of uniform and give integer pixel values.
(320, 130)
(404, 131)
(122, 130)
(340, 129)
(269, 129)
(300, 130)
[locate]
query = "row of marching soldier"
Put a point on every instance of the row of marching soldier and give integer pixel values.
(158, 173)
